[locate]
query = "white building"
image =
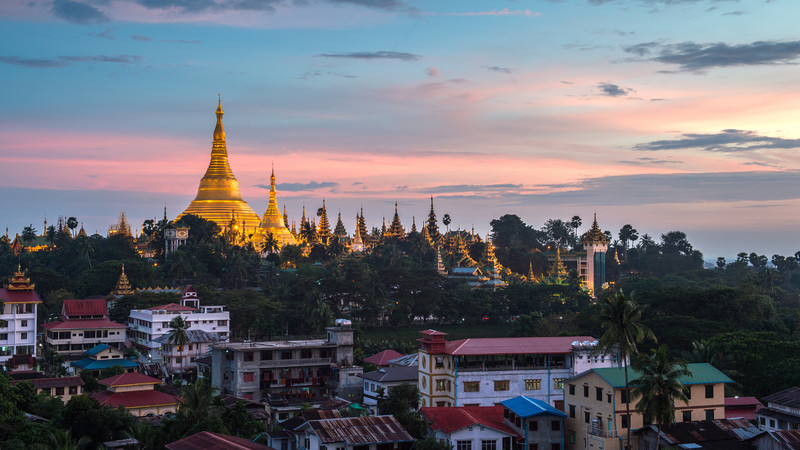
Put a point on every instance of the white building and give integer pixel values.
(484, 372)
(145, 326)
(383, 380)
(18, 317)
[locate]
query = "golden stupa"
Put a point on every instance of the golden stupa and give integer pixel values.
(218, 198)
(273, 222)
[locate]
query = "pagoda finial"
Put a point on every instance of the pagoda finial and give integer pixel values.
(219, 131)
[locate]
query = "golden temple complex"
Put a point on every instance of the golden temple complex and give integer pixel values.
(273, 221)
(218, 197)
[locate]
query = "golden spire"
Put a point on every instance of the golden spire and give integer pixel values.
(272, 221)
(123, 287)
(594, 235)
(218, 193)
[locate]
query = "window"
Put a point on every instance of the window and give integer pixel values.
(73, 390)
(248, 356)
(533, 446)
(323, 447)
(555, 425)
(598, 392)
(763, 421)
(709, 391)
(571, 389)
(687, 416)
(571, 411)
(441, 384)
(472, 386)
(489, 445)
(463, 445)
(439, 362)
(586, 417)
(555, 446)
(608, 396)
(222, 323)
(23, 336)
(625, 396)
(23, 323)
(305, 353)
(687, 391)
(625, 421)
(60, 390)
(266, 355)
(558, 383)
(501, 385)
(248, 377)
(571, 437)
(533, 385)
(533, 425)
(286, 354)
(709, 414)
(586, 391)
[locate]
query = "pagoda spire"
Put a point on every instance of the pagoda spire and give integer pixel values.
(358, 243)
(433, 228)
(324, 230)
(123, 287)
(396, 228)
(340, 232)
(361, 224)
(272, 222)
(413, 224)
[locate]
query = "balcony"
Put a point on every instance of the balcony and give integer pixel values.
(291, 362)
(607, 434)
(293, 382)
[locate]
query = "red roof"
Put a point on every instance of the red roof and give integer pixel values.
(743, 401)
(45, 383)
(128, 379)
(135, 399)
(383, 358)
(206, 440)
(172, 307)
(514, 345)
(433, 333)
(744, 407)
(84, 308)
(7, 296)
(451, 419)
(81, 324)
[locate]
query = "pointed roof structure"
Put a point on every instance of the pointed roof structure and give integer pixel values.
(358, 243)
(413, 224)
(396, 228)
(273, 222)
(123, 287)
(361, 224)
(324, 228)
(218, 194)
(340, 232)
(595, 235)
(433, 228)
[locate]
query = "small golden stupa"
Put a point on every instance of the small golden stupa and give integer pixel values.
(218, 198)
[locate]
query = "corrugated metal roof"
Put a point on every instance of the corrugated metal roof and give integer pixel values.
(514, 345)
(787, 397)
(81, 324)
(194, 337)
(128, 379)
(84, 308)
(382, 358)
(360, 430)
(528, 407)
(173, 307)
(389, 374)
(702, 373)
(7, 296)
(206, 440)
(789, 438)
(451, 419)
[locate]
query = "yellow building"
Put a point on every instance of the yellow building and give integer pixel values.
(595, 405)
(136, 393)
(218, 197)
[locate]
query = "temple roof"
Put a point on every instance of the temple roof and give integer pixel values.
(595, 235)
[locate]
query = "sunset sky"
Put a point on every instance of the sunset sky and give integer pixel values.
(665, 114)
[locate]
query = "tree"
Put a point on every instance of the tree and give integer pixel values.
(628, 234)
(178, 336)
(53, 363)
(63, 440)
(72, 224)
(623, 331)
(721, 262)
(658, 386)
(575, 223)
(402, 403)
(198, 401)
(526, 324)
(270, 243)
(446, 220)
(29, 233)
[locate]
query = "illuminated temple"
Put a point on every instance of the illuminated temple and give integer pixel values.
(218, 198)
(272, 222)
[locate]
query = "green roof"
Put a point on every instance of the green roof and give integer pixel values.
(92, 364)
(702, 373)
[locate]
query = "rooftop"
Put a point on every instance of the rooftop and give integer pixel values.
(206, 440)
(787, 397)
(173, 307)
(194, 337)
(135, 399)
(129, 379)
(360, 430)
(81, 324)
(449, 419)
(383, 358)
(393, 374)
(702, 373)
(85, 308)
(514, 345)
(264, 345)
(528, 407)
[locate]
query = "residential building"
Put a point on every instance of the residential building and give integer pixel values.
(146, 326)
(595, 404)
(777, 440)
(84, 324)
(782, 411)
(349, 433)
(483, 372)
(182, 357)
(470, 427)
(102, 357)
(294, 371)
(743, 407)
(728, 434)
(136, 393)
(381, 359)
(540, 425)
(18, 309)
(214, 441)
(381, 381)
(62, 387)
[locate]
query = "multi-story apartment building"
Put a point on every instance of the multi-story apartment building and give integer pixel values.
(596, 413)
(180, 358)
(84, 324)
(305, 370)
(146, 326)
(379, 382)
(486, 371)
(18, 317)
(782, 411)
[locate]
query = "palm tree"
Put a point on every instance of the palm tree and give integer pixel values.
(659, 386)
(198, 400)
(270, 243)
(446, 221)
(72, 224)
(178, 336)
(621, 319)
(29, 233)
(62, 440)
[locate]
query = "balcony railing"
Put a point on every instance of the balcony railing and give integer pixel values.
(602, 433)
(291, 362)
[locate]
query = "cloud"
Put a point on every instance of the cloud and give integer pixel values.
(107, 34)
(646, 161)
(459, 188)
(62, 61)
(269, 6)
(299, 187)
(694, 57)
(373, 55)
(494, 12)
(499, 69)
(77, 12)
(389, 5)
(433, 71)
(140, 38)
(727, 141)
(612, 90)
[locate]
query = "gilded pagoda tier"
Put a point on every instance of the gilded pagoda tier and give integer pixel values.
(218, 197)
(272, 222)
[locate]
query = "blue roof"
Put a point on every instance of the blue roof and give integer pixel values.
(93, 364)
(528, 407)
(97, 349)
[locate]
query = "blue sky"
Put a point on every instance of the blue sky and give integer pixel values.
(665, 114)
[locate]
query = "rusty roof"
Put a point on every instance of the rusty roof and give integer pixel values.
(360, 430)
(514, 345)
(787, 397)
(789, 438)
(88, 308)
